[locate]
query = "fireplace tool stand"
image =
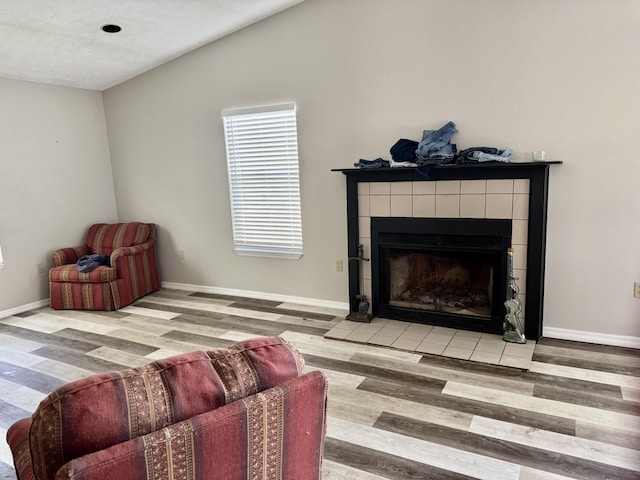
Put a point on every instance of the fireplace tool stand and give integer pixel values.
(513, 328)
(362, 315)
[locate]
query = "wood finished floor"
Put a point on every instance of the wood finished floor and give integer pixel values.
(392, 414)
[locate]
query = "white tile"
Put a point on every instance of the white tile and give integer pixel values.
(440, 339)
(463, 343)
(521, 186)
(467, 335)
(337, 333)
(519, 232)
(515, 362)
(380, 188)
(454, 352)
(401, 188)
(401, 206)
(520, 207)
(383, 340)
(485, 357)
(380, 205)
(363, 206)
(364, 227)
(449, 332)
(424, 206)
(473, 186)
(448, 206)
(490, 347)
(431, 348)
(518, 350)
(363, 188)
(405, 344)
(472, 206)
(448, 187)
(499, 205)
(424, 188)
(519, 257)
(500, 186)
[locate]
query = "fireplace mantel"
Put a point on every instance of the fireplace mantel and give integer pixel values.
(537, 173)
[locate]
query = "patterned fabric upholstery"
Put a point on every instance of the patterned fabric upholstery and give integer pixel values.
(276, 434)
(165, 402)
(132, 274)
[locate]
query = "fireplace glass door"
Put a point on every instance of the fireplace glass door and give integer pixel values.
(449, 272)
(450, 282)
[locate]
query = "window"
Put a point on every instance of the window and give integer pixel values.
(262, 161)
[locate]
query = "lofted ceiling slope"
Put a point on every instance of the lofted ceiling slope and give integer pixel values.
(61, 42)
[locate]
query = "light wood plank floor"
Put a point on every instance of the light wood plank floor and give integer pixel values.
(392, 414)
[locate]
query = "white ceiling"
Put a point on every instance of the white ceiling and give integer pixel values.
(60, 41)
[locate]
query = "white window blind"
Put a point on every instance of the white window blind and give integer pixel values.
(262, 161)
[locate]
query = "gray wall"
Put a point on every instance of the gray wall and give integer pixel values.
(560, 75)
(55, 180)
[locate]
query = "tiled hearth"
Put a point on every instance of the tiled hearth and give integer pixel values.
(447, 342)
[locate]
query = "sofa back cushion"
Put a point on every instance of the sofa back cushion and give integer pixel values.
(105, 409)
(278, 433)
(104, 238)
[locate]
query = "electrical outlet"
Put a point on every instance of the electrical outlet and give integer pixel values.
(181, 255)
(636, 289)
(339, 266)
(40, 268)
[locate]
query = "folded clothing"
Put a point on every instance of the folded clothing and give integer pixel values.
(377, 163)
(485, 154)
(87, 263)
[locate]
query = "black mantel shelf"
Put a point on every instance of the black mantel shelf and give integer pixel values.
(536, 172)
(450, 170)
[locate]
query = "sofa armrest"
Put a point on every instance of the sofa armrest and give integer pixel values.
(65, 256)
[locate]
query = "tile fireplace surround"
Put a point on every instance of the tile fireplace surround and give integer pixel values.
(515, 191)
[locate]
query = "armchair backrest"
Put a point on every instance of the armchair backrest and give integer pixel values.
(104, 238)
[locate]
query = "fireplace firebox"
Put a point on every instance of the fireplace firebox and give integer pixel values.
(440, 271)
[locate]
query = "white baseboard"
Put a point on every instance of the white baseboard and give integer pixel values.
(24, 308)
(259, 295)
(592, 337)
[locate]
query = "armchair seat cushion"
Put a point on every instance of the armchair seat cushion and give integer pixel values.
(69, 273)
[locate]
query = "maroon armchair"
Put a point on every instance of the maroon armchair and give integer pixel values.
(243, 412)
(132, 271)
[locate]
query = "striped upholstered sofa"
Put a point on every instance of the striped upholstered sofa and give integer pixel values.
(132, 271)
(245, 412)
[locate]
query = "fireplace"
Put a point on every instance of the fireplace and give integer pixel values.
(515, 192)
(449, 272)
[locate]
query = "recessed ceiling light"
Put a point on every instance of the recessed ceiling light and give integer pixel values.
(110, 28)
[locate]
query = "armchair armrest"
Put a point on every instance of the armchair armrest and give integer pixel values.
(64, 256)
(135, 250)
